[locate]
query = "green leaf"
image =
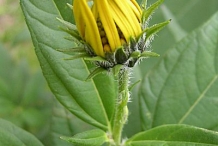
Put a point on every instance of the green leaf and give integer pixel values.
(182, 87)
(174, 135)
(91, 101)
(88, 138)
(187, 16)
(11, 135)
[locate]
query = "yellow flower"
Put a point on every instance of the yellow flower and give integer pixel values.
(107, 24)
(112, 33)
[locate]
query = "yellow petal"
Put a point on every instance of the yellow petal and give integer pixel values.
(83, 15)
(129, 14)
(135, 8)
(80, 23)
(120, 20)
(127, 17)
(136, 5)
(108, 24)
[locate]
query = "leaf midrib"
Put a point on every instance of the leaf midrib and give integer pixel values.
(198, 100)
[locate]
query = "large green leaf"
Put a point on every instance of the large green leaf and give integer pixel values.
(92, 101)
(182, 87)
(174, 135)
(11, 135)
(186, 16)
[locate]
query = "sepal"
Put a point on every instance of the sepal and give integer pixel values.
(135, 54)
(148, 12)
(146, 54)
(151, 31)
(70, 29)
(72, 39)
(70, 6)
(72, 33)
(121, 56)
(97, 71)
(69, 25)
(144, 5)
(133, 44)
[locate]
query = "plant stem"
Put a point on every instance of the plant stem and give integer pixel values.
(121, 111)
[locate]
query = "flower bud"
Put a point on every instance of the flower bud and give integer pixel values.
(112, 33)
(106, 25)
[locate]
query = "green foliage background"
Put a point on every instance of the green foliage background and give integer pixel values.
(183, 78)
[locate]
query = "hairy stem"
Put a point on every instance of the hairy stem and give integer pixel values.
(121, 111)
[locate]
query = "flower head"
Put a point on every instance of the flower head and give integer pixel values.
(112, 32)
(107, 24)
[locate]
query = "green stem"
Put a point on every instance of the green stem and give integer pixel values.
(121, 111)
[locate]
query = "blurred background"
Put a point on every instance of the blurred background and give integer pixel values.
(25, 98)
